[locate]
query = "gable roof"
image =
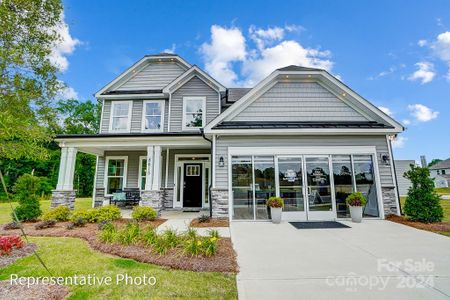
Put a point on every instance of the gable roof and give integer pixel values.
(161, 57)
(341, 90)
(445, 164)
(188, 75)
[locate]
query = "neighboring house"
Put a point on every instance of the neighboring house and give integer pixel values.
(442, 181)
(185, 141)
(441, 168)
(401, 166)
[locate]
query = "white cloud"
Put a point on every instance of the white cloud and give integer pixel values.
(406, 122)
(386, 110)
(399, 142)
(68, 93)
(422, 113)
(425, 72)
(391, 70)
(63, 47)
(229, 47)
(422, 43)
(171, 49)
(441, 46)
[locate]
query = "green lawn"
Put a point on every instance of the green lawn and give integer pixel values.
(444, 203)
(443, 191)
(70, 256)
(5, 208)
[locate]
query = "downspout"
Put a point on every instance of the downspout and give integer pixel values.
(212, 172)
(395, 176)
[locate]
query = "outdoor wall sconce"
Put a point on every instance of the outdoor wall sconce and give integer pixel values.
(221, 162)
(385, 158)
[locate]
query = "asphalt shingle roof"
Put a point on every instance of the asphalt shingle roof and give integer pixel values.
(234, 94)
(284, 125)
(445, 164)
(298, 68)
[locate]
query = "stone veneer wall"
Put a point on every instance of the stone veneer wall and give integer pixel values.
(66, 198)
(389, 201)
(153, 199)
(168, 197)
(219, 198)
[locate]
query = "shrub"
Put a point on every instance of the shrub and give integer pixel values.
(275, 202)
(7, 243)
(203, 219)
(79, 222)
(107, 213)
(108, 233)
(422, 203)
(85, 214)
(60, 214)
(128, 235)
(45, 224)
(25, 189)
(12, 225)
(356, 199)
(149, 236)
(144, 213)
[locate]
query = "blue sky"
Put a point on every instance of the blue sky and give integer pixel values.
(394, 53)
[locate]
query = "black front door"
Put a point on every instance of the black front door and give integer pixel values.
(192, 192)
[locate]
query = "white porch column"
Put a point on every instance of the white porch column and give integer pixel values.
(149, 173)
(156, 168)
(62, 169)
(70, 168)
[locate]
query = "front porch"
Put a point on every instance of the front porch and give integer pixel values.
(173, 173)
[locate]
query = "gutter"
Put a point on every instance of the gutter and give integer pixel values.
(212, 170)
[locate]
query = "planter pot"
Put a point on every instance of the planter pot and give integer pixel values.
(276, 214)
(356, 213)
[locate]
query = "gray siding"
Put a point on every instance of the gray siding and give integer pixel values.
(104, 127)
(401, 166)
(194, 87)
(154, 76)
(298, 101)
(224, 142)
(136, 116)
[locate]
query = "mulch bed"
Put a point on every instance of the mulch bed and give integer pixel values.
(215, 222)
(15, 254)
(223, 261)
(39, 291)
(441, 226)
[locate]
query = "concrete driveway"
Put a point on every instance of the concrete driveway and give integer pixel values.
(372, 260)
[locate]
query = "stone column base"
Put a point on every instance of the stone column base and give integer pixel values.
(219, 199)
(389, 201)
(153, 199)
(66, 198)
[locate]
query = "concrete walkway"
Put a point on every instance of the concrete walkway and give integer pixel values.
(372, 260)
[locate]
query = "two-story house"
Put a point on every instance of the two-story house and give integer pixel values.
(186, 141)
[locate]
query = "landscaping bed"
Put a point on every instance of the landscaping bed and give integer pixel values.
(15, 254)
(224, 260)
(213, 222)
(36, 291)
(440, 227)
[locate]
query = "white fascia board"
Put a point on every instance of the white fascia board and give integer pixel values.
(308, 131)
(130, 142)
(188, 75)
(295, 150)
(136, 67)
(133, 96)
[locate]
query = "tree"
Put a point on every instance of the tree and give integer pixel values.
(422, 202)
(26, 191)
(434, 161)
(28, 79)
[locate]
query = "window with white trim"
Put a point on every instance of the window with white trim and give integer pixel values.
(120, 116)
(142, 172)
(153, 115)
(194, 109)
(116, 172)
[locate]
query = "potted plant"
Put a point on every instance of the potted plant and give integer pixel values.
(276, 205)
(356, 202)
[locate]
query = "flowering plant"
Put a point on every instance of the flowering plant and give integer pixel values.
(356, 199)
(276, 202)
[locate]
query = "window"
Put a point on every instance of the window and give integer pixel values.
(116, 174)
(193, 112)
(291, 183)
(443, 172)
(192, 170)
(365, 183)
(153, 115)
(142, 172)
(120, 116)
(343, 183)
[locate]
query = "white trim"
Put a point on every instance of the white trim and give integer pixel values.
(320, 75)
(156, 176)
(95, 181)
(185, 100)
(322, 150)
(178, 163)
(115, 97)
(125, 171)
(139, 65)
(141, 164)
(167, 168)
(188, 75)
(394, 176)
(169, 115)
(309, 131)
(213, 162)
(111, 116)
(162, 104)
(378, 185)
(101, 116)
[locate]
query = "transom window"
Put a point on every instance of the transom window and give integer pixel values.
(153, 115)
(192, 170)
(193, 112)
(116, 173)
(120, 116)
